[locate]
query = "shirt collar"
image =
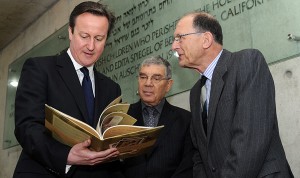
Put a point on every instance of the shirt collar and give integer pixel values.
(75, 63)
(210, 69)
(158, 107)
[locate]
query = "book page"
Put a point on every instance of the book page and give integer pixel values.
(115, 118)
(120, 107)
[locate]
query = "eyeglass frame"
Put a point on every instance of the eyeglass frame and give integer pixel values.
(144, 78)
(178, 37)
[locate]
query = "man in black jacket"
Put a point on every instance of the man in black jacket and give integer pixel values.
(172, 153)
(56, 81)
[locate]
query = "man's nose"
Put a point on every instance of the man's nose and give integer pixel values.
(175, 45)
(91, 44)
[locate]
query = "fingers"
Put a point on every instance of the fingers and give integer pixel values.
(86, 143)
(104, 156)
(108, 152)
(81, 155)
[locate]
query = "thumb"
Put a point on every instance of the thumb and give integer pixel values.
(86, 143)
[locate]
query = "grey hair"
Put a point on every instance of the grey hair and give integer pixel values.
(157, 60)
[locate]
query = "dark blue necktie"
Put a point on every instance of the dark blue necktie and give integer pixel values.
(204, 109)
(88, 93)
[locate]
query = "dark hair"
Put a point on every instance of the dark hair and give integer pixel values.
(94, 8)
(206, 22)
(157, 60)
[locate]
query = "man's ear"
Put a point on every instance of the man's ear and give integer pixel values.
(208, 39)
(169, 85)
(70, 33)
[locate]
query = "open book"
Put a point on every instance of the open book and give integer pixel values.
(114, 129)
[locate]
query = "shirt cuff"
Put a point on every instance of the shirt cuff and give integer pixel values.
(68, 167)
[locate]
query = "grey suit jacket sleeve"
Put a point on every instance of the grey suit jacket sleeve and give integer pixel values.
(242, 137)
(254, 116)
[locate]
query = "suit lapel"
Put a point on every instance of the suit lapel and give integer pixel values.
(68, 74)
(216, 88)
(135, 111)
(99, 97)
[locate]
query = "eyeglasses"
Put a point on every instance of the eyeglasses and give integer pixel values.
(178, 37)
(155, 79)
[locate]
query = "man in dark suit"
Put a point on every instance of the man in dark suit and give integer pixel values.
(238, 137)
(56, 81)
(172, 153)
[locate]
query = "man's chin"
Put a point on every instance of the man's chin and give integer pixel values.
(147, 101)
(181, 64)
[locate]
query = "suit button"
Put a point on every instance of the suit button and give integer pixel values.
(213, 169)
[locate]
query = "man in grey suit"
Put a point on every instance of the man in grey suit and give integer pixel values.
(234, 126)
(57, 81)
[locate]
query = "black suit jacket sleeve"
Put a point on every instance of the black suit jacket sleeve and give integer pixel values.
(29, 116)
(184, 169)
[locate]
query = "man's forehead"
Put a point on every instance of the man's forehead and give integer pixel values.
(186, 19)
(184, 23)
(152, 68)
